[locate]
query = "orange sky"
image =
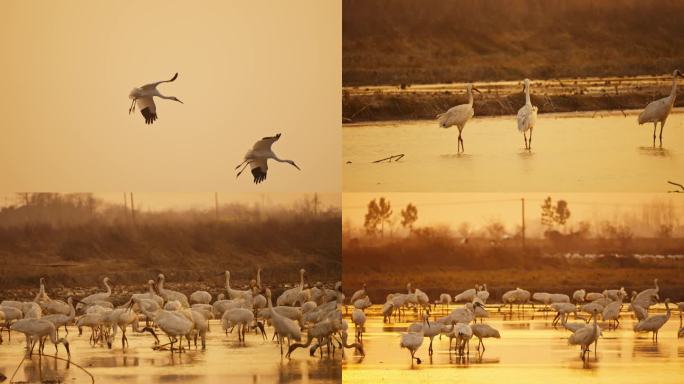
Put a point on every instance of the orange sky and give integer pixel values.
(479, 209)
(247, 69)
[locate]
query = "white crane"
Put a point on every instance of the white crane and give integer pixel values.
(258, 156)
(174, 323)
(143, 96)
(168, 294)
(236, 293)
(658, 111)
(321, 331)
(200, 297)
(284, 327)
(459, 116)
(648, 297)
(482, 331)
(96, 297)
(578, 296)
(654, 323)
(37, 330)
(360, 294)
(292, 295)
(612, 312)
(150, 294)
(445, 300)
(527, 116)
(240, 317)
(412, 341)
(586, 336)
(483, 293)
(430, 330)
(60, 319)
(94, 321)
(359, 319)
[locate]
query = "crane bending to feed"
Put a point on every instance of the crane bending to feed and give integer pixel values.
(658, 111)
(258, 156)
(527, 116)
(143, 96)
(459, 116)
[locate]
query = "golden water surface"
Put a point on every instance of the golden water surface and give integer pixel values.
(530, 350)
(570, 153)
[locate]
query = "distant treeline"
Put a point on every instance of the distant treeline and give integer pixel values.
(79, 240)
(435, 41)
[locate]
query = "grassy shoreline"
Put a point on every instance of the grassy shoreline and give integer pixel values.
(382, 106)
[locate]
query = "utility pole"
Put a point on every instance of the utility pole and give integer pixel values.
(125, 202)
(523, 221)
(216, 204)
(132, 207)
(315, 203)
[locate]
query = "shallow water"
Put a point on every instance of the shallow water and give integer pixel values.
(223, 361)
(570, 153)
(530, 350)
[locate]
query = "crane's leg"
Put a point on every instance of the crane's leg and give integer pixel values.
(655, 125)
(250, 161)
(132, 107)
(525, 138)
(662, 124)
(529, 145)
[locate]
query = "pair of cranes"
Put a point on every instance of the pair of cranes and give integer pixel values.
(256, 158)
(655, 112)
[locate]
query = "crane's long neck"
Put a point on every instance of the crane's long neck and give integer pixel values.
(109, 289)
(673, 92)
(151, 289)
(470, 96)
(258, 279)
(160, 285)
(227, 281)
(527, 95)
(72, 310)
(301, 280)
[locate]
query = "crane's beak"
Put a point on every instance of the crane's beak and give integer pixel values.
(295, 165)
(477, 90)
(179, 101)
(680, 74)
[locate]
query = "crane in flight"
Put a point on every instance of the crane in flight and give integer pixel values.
(143, 96)
(258, 156)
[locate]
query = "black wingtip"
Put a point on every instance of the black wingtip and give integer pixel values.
(174, 77)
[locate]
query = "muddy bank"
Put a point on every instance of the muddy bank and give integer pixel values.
(385, 106)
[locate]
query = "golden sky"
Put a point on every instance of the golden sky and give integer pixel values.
(247, 69)
(479, 209)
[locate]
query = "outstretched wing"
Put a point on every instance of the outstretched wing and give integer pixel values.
(265, 143)
(147, 108)
(259, 169)
(154, 85)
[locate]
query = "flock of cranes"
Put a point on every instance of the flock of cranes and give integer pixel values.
(315, 311)
(655, 112)
(461, 324)
(257, 157)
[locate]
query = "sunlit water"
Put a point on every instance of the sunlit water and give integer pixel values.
(530, 350)
(570, 152)
(224, 361)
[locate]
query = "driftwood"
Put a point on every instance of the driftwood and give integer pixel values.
(678, 185)
(391, 158)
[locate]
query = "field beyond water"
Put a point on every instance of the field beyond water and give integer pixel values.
(434, 41)
(442, 266)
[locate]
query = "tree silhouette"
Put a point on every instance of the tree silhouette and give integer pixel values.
(409, 216)
(557, 214)
(378, 214)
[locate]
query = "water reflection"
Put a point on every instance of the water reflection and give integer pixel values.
(591, 154)
(223, 361)
(531, 348)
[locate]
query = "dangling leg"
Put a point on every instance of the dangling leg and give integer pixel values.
(132, 108)
(243, 168)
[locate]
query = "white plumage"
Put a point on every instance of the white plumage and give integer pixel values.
(459, 116)
(143, 96)
(257, 158)
(654, 323)
(658, 111)
(527, 116)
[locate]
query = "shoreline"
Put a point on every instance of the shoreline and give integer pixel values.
(424, 101)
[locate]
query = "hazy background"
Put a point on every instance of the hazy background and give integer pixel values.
(607, 240)
(246, 70)
(76, 239)
(437, 41)
(643, 212)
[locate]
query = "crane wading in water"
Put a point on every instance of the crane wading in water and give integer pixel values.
(658, 111)
(459, 116)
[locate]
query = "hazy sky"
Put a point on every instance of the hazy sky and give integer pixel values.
(479, 209)
(247, 69)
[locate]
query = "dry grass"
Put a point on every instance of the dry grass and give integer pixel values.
(441, 264)
(437, 41)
